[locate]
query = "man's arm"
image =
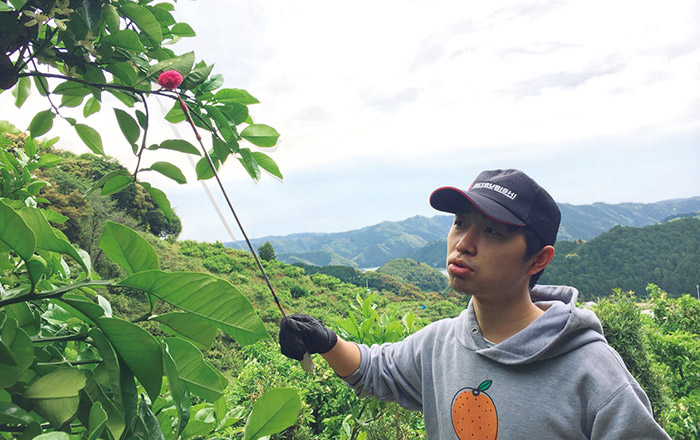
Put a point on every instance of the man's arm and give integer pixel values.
(344, 358)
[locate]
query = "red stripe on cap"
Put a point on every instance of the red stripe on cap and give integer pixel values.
(477, 208)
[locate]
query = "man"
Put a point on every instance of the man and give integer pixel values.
(522, 361)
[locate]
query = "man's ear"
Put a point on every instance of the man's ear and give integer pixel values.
(541, 259)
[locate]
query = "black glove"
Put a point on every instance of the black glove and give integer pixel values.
(301, 333)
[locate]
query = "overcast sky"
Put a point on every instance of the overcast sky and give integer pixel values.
(380, 102)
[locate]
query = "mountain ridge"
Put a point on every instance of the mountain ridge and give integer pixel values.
(374, 245)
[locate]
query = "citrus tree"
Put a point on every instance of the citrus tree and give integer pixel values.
(70, 368)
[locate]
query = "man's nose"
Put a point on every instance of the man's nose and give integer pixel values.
(467, 242)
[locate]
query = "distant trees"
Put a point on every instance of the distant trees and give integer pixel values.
(425, 277)
(629, 258)
(266, 252)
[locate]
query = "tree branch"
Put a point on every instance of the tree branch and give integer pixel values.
(54, 293)
(101, 86)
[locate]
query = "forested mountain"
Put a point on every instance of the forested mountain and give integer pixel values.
(629, 258)
(420, 238)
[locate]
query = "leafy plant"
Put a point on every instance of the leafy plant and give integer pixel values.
(366, 326)
(67, 364)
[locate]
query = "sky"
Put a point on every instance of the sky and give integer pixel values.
(380, 103)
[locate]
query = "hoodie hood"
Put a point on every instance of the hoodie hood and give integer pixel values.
(563, 327)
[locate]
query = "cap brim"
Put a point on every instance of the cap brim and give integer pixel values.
(454, 200)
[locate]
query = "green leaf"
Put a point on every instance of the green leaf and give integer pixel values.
(203, 168)
(273, 412)
(182, 64)
(126, 39)
(182, 30)
(175, 114)
(261, 135)
(178, 390)
(41, 123)
(22, 90)
(115, 416)
(150, 424)
(111, 16)
(11, 413)
(71, 88)
(18, 345)
(56, 435)
(128, 125)
(90, 137)
(127, 248)
(201, 378)
(177, 145)
(124, 71)
(49, 160)
(98, 421)
(237, 112)
(42, 85)
(110, 363)
(106, 178)
(168, 170)
(6, 127)
(15, 234)
(235, 95)
(27, 320)
(160, 198)
(92, 105)
(267, 163)
(92, 13)
(196, 77)
(140, 351)
(80, 307)
(220, 148)
(56, 395)
(50, 238)
(249, 163)
(142, 118)
(116, 184)
(200, 331)
(208, 297)
(221, 122)
(145, 20)
(212, 83)
(36, 266)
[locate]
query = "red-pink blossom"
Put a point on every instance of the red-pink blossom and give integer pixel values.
(170, 79)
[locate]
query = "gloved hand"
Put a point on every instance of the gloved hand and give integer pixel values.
(301, 333)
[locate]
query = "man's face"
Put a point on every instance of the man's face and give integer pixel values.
(484, 257)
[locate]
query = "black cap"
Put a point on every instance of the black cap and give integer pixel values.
(506, 196)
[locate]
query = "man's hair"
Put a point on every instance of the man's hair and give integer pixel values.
(532, 246)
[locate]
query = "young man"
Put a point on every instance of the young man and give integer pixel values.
(522, 361)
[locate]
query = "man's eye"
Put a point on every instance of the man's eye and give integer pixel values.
(492, 231)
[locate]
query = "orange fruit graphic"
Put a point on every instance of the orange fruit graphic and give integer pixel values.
(474, 414)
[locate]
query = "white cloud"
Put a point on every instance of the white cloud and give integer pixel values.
(435, 85)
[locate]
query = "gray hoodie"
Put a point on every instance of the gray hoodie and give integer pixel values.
(556, 379)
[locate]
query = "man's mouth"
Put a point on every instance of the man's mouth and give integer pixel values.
(459, 268)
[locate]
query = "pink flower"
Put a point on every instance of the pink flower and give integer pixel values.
(170, 79)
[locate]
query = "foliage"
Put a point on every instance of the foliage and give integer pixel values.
(266, 252)
(408, 271)
(662, 350)
(664, 254)
(67, 363)
(625, 331)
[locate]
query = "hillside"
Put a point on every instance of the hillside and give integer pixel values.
(629, 258)
(420, 238)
